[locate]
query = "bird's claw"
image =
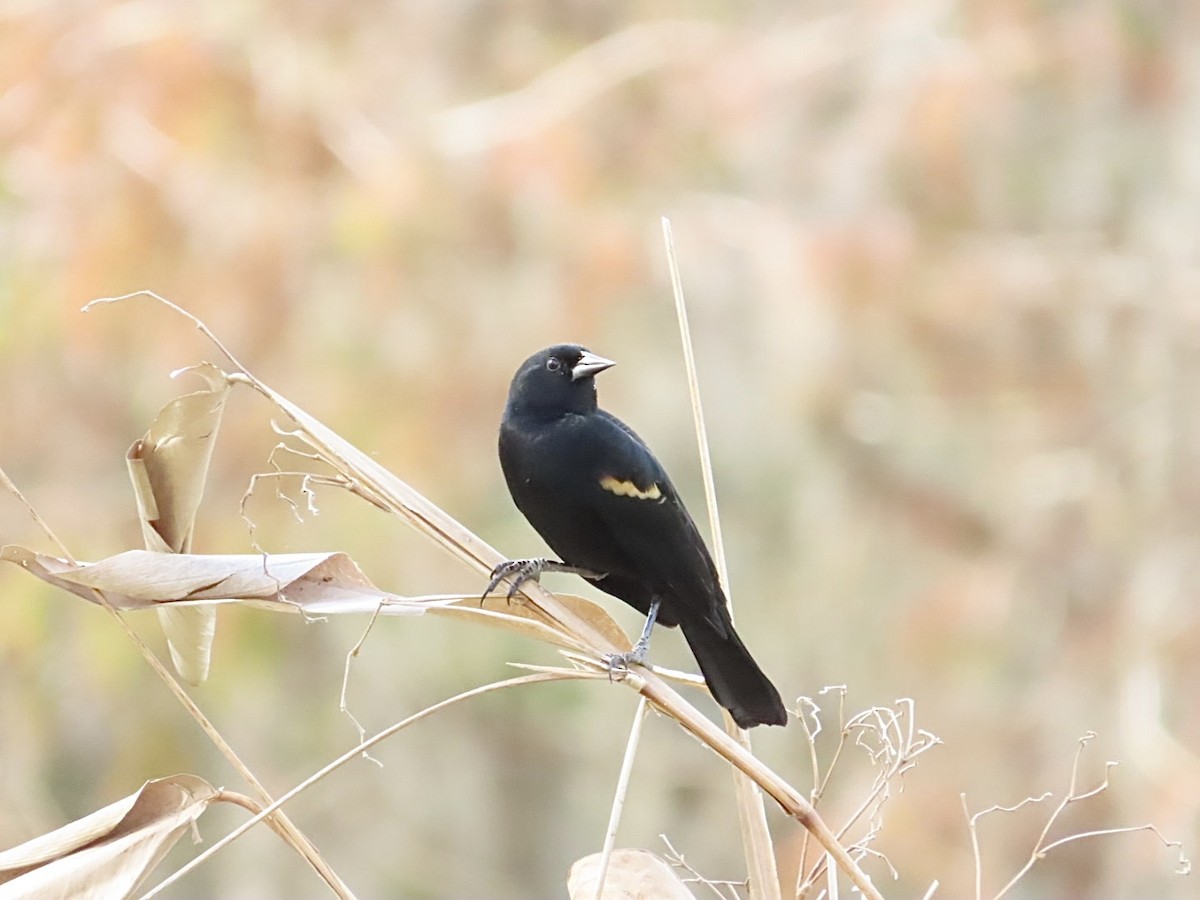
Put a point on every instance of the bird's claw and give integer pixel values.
(523, 569)
(531, 570)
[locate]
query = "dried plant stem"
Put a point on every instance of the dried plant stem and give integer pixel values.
(893, 743)
(280, 823)
(752, 814)
(973, 829)
(722, 889)
(1040, 847)
(614, 816)
(200, 326)
(343, 706)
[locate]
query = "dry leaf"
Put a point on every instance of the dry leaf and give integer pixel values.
(109, 852)
(315, 583)
(632, 875)
(168, 467)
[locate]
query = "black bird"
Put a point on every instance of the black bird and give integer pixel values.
(599, 498)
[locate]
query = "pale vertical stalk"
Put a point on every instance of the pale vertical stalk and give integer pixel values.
(618, 806)
(752, 814)
(689, 361)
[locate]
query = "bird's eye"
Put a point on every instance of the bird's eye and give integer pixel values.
(553, 364)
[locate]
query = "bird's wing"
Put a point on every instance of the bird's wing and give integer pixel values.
(636, 500)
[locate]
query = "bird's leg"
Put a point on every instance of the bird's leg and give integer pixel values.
(641, 648)
(523, 570)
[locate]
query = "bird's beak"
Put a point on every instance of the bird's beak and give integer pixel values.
(590, 364)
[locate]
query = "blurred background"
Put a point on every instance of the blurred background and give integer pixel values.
(943, 267)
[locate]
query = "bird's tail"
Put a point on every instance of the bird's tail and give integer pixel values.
(736, 681)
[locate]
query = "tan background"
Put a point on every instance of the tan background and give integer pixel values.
(943, 262)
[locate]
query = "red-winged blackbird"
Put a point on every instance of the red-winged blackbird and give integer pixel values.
(599, 498)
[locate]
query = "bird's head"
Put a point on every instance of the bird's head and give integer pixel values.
(559, 379)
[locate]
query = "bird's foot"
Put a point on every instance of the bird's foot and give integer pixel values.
(519, 570)
(523, 570)
(620, 662)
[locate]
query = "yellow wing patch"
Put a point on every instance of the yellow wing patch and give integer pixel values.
(629, 489)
